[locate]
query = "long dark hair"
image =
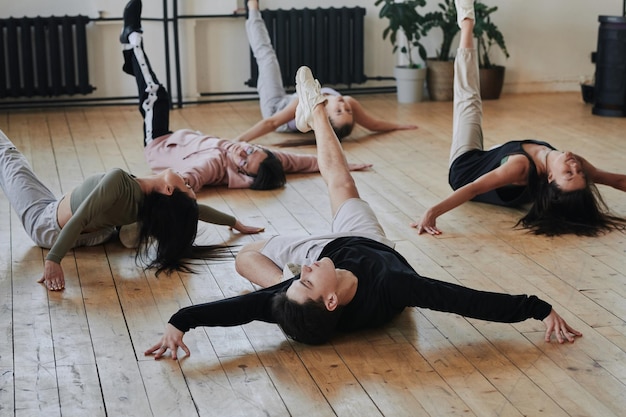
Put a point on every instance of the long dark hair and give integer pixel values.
(167, 230)
(311, 322)
(582, 212)
(270, 175)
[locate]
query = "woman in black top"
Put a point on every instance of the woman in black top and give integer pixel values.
(560, 185)
(350, 279)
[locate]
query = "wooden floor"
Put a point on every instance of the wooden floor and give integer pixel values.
(80, 352)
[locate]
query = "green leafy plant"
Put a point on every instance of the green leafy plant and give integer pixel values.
(487, 34)
(404, 18)
(445, 19)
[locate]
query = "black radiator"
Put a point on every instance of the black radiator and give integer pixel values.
(44, 56)
(329, 41)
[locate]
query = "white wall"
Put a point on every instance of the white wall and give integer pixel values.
(550, 42)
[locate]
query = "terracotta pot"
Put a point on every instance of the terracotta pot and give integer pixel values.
(440, 80)
(491, 82)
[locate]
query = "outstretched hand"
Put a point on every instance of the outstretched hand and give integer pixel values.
(247, 230)
(427, 224)
(555, 324)
(359, 167)
(53, 277)
(172, 339)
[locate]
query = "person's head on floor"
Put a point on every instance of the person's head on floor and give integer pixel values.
(566, 201)
(260, 164)
(340, 116)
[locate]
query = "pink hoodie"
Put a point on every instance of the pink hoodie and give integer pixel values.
(204, 160)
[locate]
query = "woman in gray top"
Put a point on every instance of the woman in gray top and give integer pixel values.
(163, 206)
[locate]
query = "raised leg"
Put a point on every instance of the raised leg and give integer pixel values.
(28, 196)
(154, 101)
(311, 114)
(272, 95)
(468, 114)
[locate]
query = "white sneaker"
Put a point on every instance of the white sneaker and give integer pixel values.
(464, 10)
(309, 96)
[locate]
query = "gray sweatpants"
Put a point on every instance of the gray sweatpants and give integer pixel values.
(272, 94)
(33, 202)
(467, 133)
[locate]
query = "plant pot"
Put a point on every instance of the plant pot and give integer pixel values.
(491, 82)
(410, 84)
(440, 80)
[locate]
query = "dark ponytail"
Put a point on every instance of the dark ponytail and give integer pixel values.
(582, 212)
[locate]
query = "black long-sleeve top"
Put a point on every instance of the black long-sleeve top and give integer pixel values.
(386, 285)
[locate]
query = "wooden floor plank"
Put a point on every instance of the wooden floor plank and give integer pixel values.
(122, 386)
(336, 382)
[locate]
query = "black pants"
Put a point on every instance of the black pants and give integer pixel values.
(154, 101)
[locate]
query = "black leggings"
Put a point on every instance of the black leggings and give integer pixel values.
(154, 101)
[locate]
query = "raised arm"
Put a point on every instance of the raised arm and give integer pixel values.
(269, 124)
(511, 172)
(365, 119)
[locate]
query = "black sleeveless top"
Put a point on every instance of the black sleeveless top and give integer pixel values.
(475, 163)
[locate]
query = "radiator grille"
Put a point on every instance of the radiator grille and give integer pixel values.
(329, 41)
(44, 56)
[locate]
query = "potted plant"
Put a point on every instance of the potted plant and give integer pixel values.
(487, 34)
(405, 20)
(440, 78)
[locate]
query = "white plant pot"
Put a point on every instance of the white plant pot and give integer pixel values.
(410, 84)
